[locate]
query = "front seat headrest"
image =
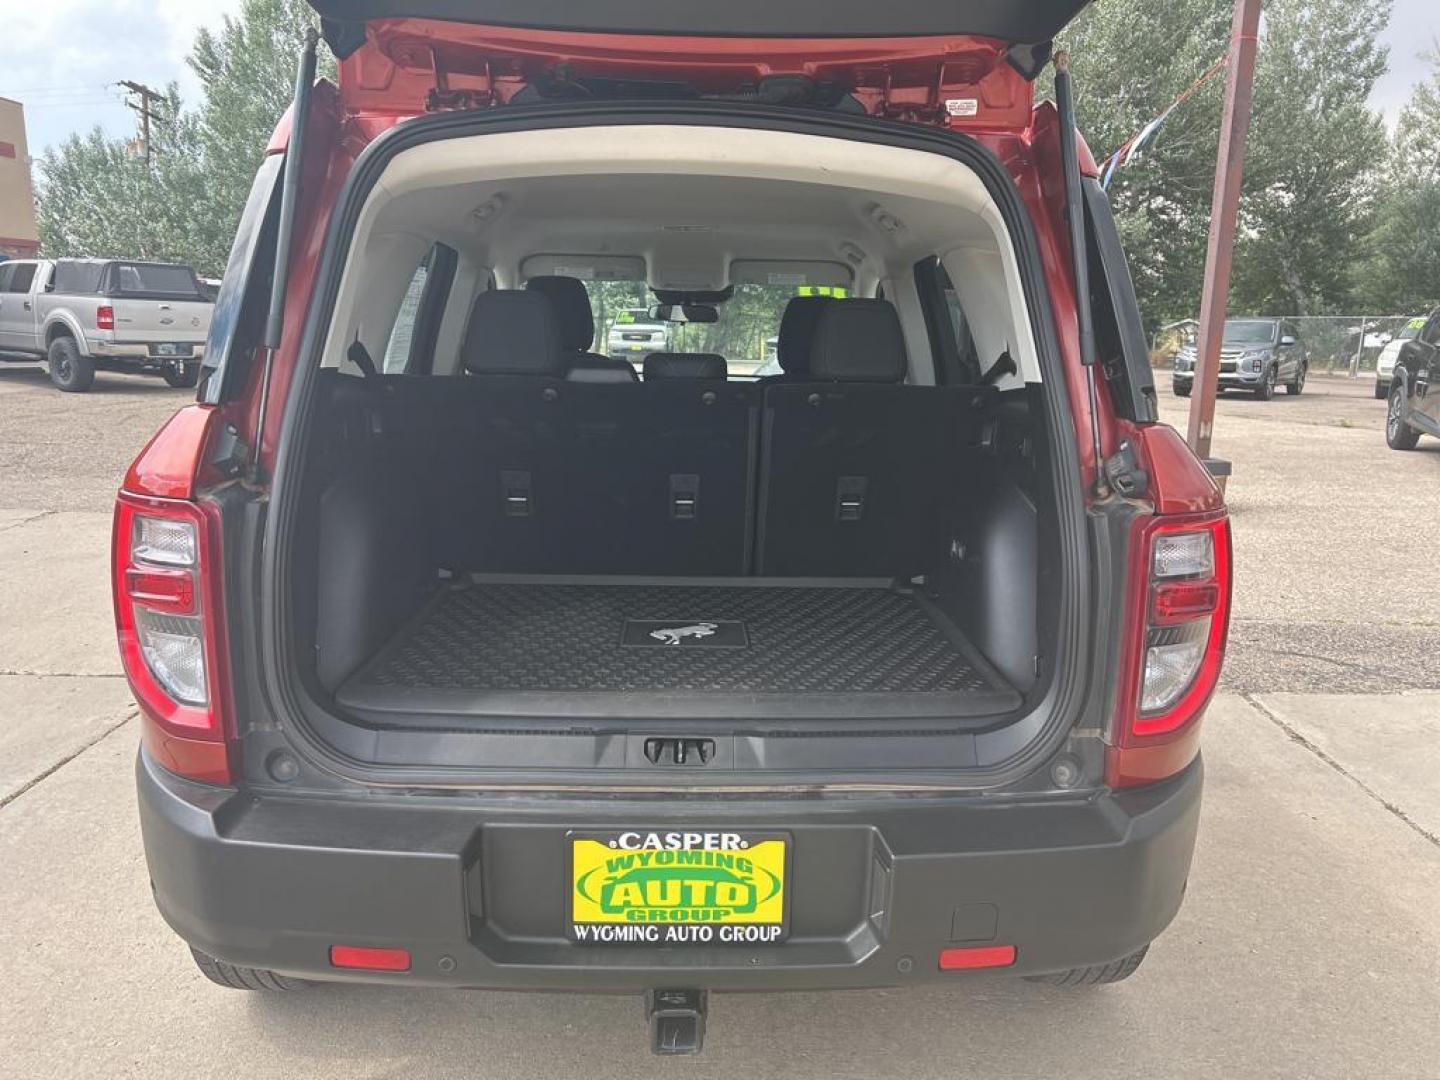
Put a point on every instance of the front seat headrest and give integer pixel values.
(858, 341)
(572, 301)
(512, 333)
(676, 365)
(797, 331)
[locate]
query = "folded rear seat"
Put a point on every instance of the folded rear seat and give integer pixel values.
(857, 470)
(490, 446)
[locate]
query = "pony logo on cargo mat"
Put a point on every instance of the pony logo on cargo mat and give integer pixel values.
(693, 891)
(685, 633)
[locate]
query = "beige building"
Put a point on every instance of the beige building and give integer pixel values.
(18, 234)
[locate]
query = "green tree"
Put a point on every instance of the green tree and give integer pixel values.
(1403, 274)
(95, 195)
(247, 75)
(1131, 59)
(1313, 160)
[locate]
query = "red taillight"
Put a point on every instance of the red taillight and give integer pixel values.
(172, 591)
(1177, 620)
(169, 604)
(364, 959)
(975, 957)
(105, 317)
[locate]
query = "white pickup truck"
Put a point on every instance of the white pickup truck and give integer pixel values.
(77, 316)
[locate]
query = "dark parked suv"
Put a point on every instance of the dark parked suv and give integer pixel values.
(468, 657)
(1415, 388)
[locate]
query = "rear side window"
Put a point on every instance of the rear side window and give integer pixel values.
(397, 351)
(23, 278)
(5, 271)
(957, 361)
(149, 279)
(411, 348)
(72, 276)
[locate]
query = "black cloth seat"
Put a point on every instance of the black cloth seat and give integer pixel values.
(523, 469)
(673, 365)
(489, 445)
(858, 472)
(797, 332)
(576, 325)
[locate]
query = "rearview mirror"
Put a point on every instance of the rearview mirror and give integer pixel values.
(685, 313)
(1287, 340)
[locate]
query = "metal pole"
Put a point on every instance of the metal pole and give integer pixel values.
(1359, 350)
(1224, 204)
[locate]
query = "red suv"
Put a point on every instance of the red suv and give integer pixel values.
(470, 656)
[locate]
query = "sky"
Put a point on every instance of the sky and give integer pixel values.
(62, 58)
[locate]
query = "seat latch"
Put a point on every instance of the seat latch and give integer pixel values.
(850, 498)
(516, 494)
(684, 496)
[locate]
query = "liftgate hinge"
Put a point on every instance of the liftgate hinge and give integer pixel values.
(1127, 478)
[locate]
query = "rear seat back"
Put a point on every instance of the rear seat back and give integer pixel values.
(857, 468)
(524, 469)
(490, 446)
(661, 477)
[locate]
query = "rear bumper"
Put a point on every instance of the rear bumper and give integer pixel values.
(475, 888)
(140, 351)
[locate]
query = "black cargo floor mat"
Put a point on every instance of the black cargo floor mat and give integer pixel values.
(626, 637)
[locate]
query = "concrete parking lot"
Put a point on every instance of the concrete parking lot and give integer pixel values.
(1309, 944)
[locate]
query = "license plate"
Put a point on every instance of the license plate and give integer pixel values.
(637, 887)
(168, 349)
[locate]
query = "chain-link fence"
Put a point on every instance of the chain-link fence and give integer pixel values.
(1335, 344)
(1346, 344)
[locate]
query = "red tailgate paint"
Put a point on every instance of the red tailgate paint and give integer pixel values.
(406, 63)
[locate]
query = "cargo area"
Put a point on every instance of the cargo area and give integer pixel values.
(496, 645)
(816, 503)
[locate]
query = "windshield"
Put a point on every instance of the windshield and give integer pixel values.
(744, 334)
(1249, 332)
(1412, 330)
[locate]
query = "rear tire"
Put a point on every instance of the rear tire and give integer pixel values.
(1182, 391)
(1398, 434)
(69, 371)
(1382, 392)
(181, 376)
(235, 977)
(1294, 388)
(1096, 974)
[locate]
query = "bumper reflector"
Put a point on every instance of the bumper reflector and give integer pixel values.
(982, 956)
(354, 956)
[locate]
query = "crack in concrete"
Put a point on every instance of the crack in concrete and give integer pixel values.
(1302, 741)
(37, 516)
(6, 800)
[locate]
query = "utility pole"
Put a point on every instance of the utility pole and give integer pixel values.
(1224, 207)
(147, 114)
